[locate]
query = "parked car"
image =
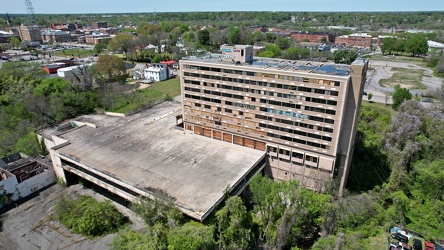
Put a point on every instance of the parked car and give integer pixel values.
(401, 237)
(417, 244)
(438, 247)
(426, 100)
(429, 245)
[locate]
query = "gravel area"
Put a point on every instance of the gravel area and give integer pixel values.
(28, 225)
(383, 70)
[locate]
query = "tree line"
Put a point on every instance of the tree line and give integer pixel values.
(371, 21)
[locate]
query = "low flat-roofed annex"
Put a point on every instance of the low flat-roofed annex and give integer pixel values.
(145, 150)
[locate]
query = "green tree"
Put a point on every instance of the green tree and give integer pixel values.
(417, 45)
(14, 42)
(121, 42)
(233, 35)
(203, 37)
(294, 53)
(429, 179)
(88, 217)
(369, 96)
(155, 238)
(98, 48)
(234, 225)
(400, 95)
(283, 43)
(345, 56)
(192, 236)
(29, 145)
(111, 68)
(158, 211)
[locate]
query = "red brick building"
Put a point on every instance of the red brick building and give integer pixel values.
(361, 40)
(313, 37)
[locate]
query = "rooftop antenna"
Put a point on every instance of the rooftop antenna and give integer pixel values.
(30, 11)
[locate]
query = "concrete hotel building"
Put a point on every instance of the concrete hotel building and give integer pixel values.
(302, 114)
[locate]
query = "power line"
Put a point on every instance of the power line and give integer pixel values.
(30, 11)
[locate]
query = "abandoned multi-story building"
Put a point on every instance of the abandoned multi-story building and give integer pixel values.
(303, 114)
(240, 116)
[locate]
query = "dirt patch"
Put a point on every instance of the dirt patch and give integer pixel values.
(29, 225)
(406, 77)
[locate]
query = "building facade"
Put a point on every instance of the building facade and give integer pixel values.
(98, 25)
(302, 114)
(30, 33)
(156, 72)
(360, 40)
(313, 37)
(56, 36)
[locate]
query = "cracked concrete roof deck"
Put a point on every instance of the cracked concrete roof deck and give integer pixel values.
(149, 154)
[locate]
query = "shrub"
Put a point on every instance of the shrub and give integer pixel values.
(89, 217)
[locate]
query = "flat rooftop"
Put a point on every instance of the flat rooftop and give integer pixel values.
(280, 64)
(146, 151)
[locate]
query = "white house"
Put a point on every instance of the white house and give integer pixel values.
(156, 72)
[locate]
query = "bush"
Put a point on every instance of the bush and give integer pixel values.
(89, 217)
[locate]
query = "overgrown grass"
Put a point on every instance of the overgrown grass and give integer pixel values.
(380, 106)
(410, 59)
(69, 52)
(407, 78)
(158, 92)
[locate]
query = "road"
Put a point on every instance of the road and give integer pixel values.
(379, 97)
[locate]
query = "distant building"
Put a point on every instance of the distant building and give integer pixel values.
(30, 33)
(138, 71)
(313, 37)
(98, 25)
(96, 38)
(56, 36)
(53, 67)
(360, 40)
(435, 45)
(4, 36)
(156, 72)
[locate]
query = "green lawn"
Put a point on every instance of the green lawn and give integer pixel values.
(158, 92)
(170, 87)
(76, 52)
(407, 78)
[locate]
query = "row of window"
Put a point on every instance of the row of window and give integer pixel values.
(299, 141)
(297, 115)
(270, 93)
(304, 125)
(271, 102)
(261, 83)
(295, 132)
(270, 110)
(293, 154)
(263, 74)
(263, 117)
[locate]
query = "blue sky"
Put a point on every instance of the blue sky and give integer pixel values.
(117, 6)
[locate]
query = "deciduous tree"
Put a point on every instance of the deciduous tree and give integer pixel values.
(111, 68)
(417, 45)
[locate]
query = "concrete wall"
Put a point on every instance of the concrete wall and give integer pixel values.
(29, 186)
(351, 118)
